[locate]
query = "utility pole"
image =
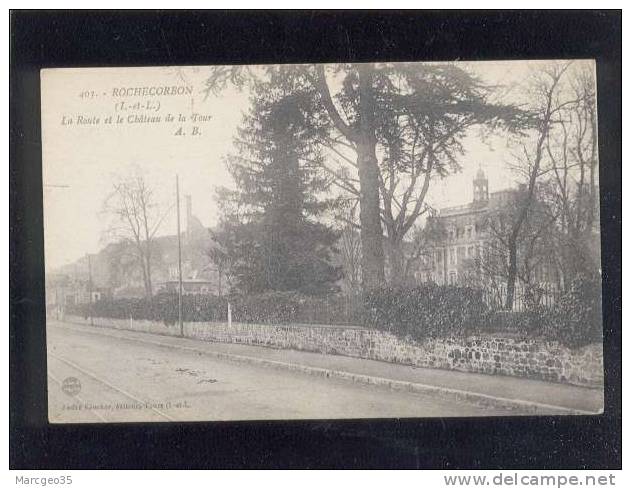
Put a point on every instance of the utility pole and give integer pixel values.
(90, 288)
(179, 257)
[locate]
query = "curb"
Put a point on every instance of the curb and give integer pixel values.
(518, 405)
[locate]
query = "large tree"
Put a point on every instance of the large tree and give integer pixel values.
(548, 101)
(406, 123)
(393, 126)
(349, 245)
(271, 230)
(136, 217)
(571, 190)
(532, 248)
(526, 223)
(359, 133)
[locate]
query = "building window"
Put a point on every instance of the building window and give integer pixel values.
(452, 256)
(479, 227)
(470, 251)
(461, 253)
(469, 232)
(438, 257)
(453, 278)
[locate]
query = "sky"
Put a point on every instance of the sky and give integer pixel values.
(82, 161)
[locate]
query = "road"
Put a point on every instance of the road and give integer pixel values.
(109, 376)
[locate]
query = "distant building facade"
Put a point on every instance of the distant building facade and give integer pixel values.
(465, 235)
(189, 286)
(115, 271)
(65, 291)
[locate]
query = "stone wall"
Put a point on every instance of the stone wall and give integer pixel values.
(494, 354)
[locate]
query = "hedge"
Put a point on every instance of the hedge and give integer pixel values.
(426, 311)
(408, 312)
(162, 307)
(576, 319)
(272, 307)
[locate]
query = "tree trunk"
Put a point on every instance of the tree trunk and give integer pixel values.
(396, 261)
(362, 136)
(143, 268)
(512, 274)
(370, 214)
(148, 284)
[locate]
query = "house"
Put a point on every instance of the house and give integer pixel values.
(64, 290)
(463, 237)
(115, 268)
(189, 286)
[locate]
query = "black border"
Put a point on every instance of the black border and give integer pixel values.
(41, 39)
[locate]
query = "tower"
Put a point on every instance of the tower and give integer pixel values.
(480, 187)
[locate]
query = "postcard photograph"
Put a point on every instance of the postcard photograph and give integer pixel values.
(322, 241)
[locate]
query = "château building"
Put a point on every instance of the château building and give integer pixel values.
(462, 235)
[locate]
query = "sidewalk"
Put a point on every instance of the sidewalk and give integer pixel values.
(523, 395)
(535, 391)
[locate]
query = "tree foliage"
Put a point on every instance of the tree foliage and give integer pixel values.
(388, 129)
(422, 113)
(270, 230)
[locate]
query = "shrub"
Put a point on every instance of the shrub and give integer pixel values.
(289, 307)
(426, 311)
(575, 319)
(271, 307)
(532, 322)
(518, 322)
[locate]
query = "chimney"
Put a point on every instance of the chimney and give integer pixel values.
(189, 213)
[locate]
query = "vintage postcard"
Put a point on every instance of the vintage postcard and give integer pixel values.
(377, 240)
